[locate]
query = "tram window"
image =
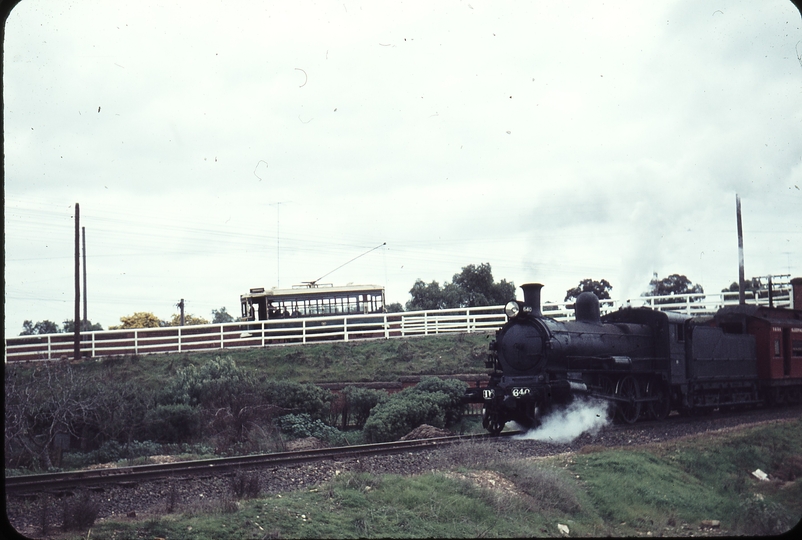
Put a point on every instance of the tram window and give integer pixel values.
(796, 347)
(777, 348)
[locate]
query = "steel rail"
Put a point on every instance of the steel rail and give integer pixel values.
(138, 473)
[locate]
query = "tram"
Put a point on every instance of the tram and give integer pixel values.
(311, 300)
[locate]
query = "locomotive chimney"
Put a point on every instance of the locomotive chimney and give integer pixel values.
(532, 297)
(796, 293)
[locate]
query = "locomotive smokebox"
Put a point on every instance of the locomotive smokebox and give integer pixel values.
(587, 308)
(532, 297)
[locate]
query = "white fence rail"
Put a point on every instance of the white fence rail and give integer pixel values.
(279, 332)
(209, 337)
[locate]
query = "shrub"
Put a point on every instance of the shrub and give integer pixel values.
(173, 423)
(81, 513)
(403, 412)
(453, 389)
(302, 425)
(360, 401)
(216, 384)
(111, 451)
(298, 398)
(433, 401)
(245, 486)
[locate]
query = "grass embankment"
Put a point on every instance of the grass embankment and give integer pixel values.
(659, 490)
(355, 361)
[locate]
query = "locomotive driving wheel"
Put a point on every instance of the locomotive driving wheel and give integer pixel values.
(660, 408)
(628, 392)
(492, 422)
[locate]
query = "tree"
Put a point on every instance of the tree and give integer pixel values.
(395, 307)
(221, 316)
(426, 297)
(675, 284)
(52, 401)
(600, 288)
(140, 319)
(472, 287)
(69, 326)
(189, 320)
(41, 327)
(749, 285)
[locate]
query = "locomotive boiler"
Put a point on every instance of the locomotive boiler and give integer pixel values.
(643, 361)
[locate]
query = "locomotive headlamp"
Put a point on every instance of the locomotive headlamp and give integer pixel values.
(512, 309)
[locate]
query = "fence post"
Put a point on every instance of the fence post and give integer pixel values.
(386, 327)
(221, 336)
(345, 328)
(179, 338)
(48, 347)
(263, 333)
(136, 342)
(303, 331)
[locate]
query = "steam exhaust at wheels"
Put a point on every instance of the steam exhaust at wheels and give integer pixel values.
(565, 424)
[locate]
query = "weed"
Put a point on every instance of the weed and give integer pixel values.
(245, 485)
(80, 514)
(547, 488)
(45, 515)
(756, 516)
(172, 498)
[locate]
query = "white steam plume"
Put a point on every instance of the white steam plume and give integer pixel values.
(565, 425)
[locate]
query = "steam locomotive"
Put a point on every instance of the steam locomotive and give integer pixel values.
(645, 362)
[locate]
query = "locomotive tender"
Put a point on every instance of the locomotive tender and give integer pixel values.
(644, 361)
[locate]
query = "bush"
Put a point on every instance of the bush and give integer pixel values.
(453, 389)
(173, 423)
(298, 398)
(302, 425)
(360, 401)
(245, 485)
(403, 412)
(219, 383)
(111, 451)
(80, 514)
(433, 401)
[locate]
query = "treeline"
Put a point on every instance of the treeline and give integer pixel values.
(218, 406)
(473, 286)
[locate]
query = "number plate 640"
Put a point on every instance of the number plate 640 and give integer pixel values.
(521, 392)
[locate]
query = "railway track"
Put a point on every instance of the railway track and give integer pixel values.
(127, 476)
(56, 482)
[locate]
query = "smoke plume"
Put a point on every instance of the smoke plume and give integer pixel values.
(565, 425)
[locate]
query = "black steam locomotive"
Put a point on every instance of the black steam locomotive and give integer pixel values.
(646, 362)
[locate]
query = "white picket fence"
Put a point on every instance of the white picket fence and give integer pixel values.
(282, 332)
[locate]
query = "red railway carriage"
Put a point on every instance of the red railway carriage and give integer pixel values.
(778, 347)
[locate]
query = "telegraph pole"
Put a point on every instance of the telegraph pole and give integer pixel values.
(85, 321)
(741, 287)
(76, 323)
(181, 307)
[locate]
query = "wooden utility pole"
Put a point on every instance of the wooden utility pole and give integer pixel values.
(741, 285)
(181, 307)
(76, 324)
(85, 321)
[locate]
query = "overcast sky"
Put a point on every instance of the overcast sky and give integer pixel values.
(219, 146)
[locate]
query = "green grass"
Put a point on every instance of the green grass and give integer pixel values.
(355, 361)
(618, 492)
